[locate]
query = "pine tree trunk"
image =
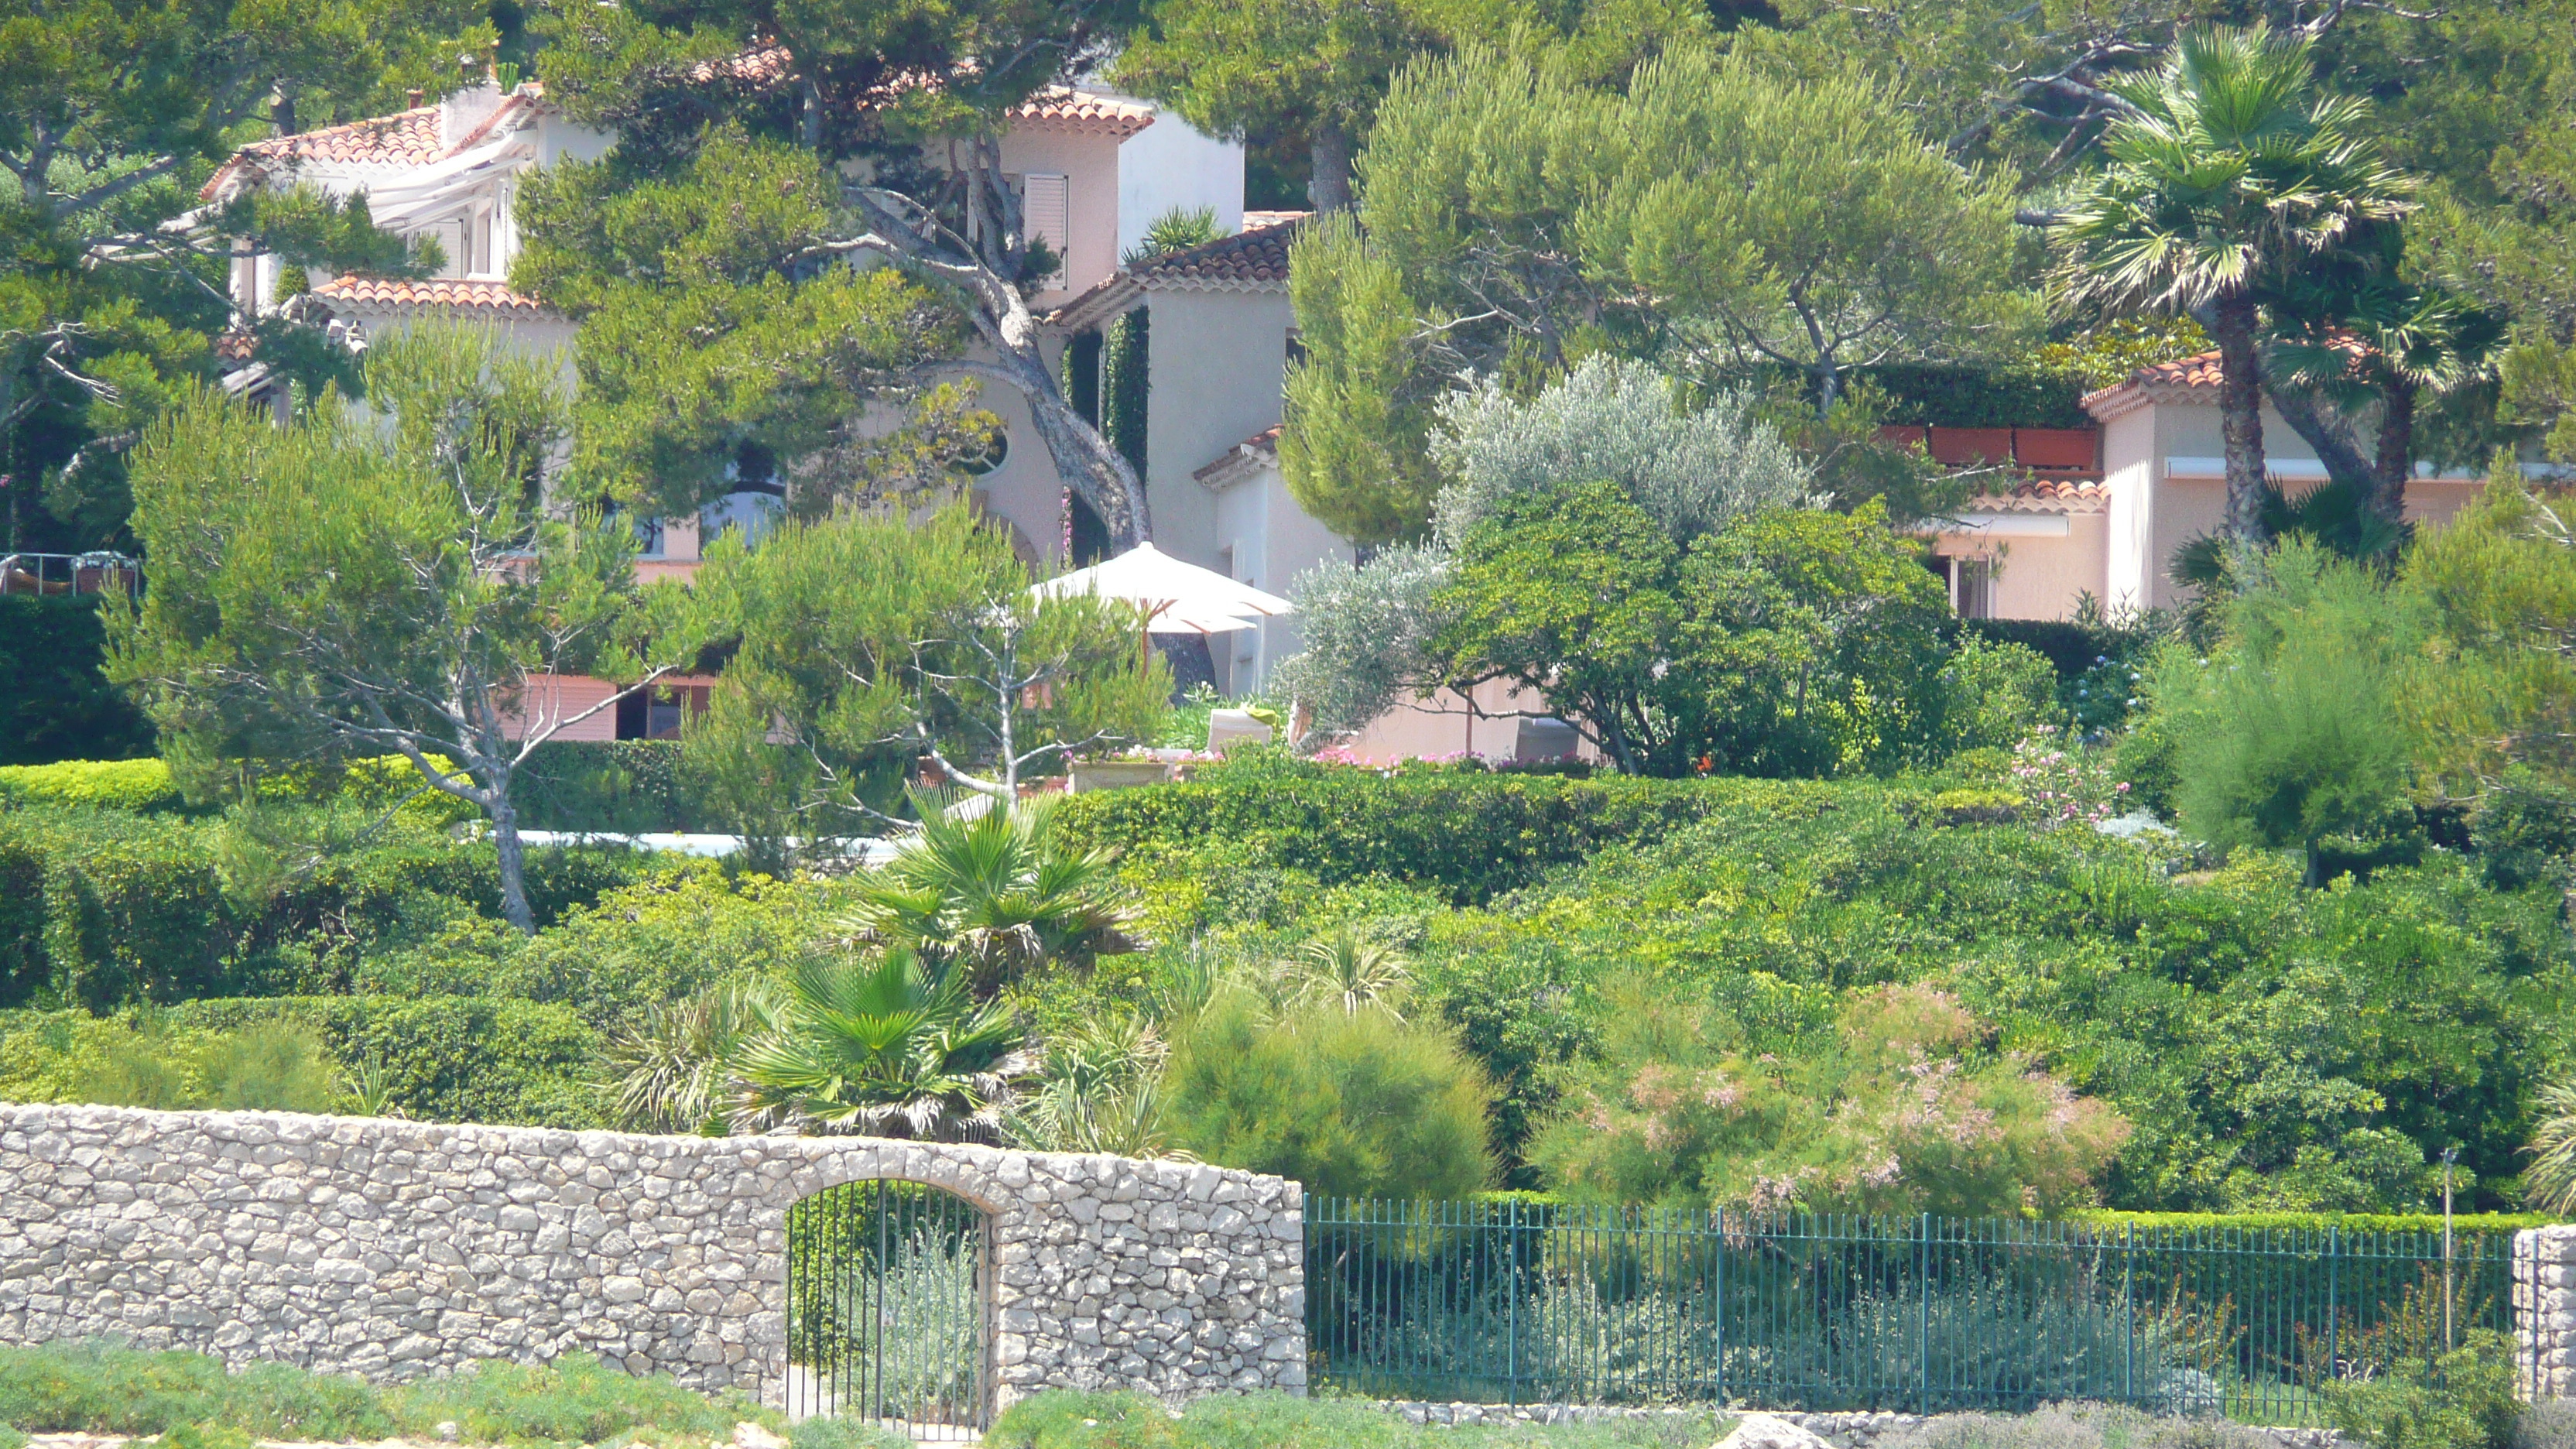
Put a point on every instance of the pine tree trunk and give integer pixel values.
(2396, 461)
(1329, 187)
(2240, 410)
(514, 868)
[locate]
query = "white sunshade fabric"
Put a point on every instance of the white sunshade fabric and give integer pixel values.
(1178, 598)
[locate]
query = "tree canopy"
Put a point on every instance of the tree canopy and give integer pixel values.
(1714, 216)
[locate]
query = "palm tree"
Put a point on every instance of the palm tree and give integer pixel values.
(2551, 1178)
(2356, 331)
(2229, 172)
(996, 897)
(880, 1044)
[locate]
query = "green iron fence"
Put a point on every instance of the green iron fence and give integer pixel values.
(1511, 1302)
(885, 1308)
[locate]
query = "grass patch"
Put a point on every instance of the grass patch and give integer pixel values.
(100, 1388)
(576, 1399)
(1060, 1420)
(97, 1387)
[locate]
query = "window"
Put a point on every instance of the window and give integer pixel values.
(1047, 203)
(1972, 587)
(656, 714)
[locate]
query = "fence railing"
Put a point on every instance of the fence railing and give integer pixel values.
(1510, 1302)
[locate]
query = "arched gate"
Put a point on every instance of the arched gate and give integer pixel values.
(888, 1289)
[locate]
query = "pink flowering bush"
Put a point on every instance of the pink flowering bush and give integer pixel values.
(2062, 783)
(1902, 1107)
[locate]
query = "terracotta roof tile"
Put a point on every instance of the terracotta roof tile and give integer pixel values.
(1237, 463)
(1246, 259)
(2046, 495)
(470, 296)
(1087, 112)
(405, 138)
(235, 346)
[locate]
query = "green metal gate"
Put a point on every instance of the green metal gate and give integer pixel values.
(886, 1291)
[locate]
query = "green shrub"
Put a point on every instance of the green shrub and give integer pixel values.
(1472, 835)
(445, 1058)
(820, 1432)
(617, 787)
(1350, 1104)
(2463, 1399)
(92, 785)
(261, 1068)
(576, 1399)
(98, 1387)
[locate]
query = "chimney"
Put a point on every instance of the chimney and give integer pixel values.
(416, 93)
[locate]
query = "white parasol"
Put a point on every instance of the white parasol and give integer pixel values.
(1176, 597)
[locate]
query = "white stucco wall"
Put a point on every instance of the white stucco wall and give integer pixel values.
(1171, 165)
(2044, 562)
(1090, 166)
(1268, 541)
(1215, 364)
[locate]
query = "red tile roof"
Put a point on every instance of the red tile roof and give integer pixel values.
(2046, 495)
(405, 138)
(1246, 259)
(491, 297)
(1260, 447)
(2184, 379)
(1086, 113)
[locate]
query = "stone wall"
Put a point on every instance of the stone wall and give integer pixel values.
(397, 1249)
(2544, 1311)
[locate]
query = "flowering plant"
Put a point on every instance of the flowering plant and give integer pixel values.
(2064, 783)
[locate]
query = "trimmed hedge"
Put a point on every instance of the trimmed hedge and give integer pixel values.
(92, 785)
(624, 787)
(1961, 395)
(106, 908)
(54, 702)
(1470, 834)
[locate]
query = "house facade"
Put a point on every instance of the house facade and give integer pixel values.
(2100, 512)
(1094, 171)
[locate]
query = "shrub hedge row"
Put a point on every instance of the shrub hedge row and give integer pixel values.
(102, 908)
(1466, 833)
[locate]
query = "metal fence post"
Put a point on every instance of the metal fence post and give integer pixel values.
(1720, 1315)
(1923, 1316)
(2129, 1312)
(2334, 1310)
(1512, 1303)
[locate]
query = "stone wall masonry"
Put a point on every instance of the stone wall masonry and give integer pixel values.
(401, 1249)
(2544, 1311)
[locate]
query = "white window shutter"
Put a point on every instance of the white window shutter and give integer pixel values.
(1048, 204)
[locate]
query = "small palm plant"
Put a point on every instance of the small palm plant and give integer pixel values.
(1350, 970)
(882, 1044)
(2551, 1178)
(996, 897)
(2231, 172)
(674, 1074)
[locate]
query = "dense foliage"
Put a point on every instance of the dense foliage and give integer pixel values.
(54, 703)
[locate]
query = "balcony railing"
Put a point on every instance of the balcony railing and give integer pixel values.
(67, 573)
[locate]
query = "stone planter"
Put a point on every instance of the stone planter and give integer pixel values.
(1117, 774)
